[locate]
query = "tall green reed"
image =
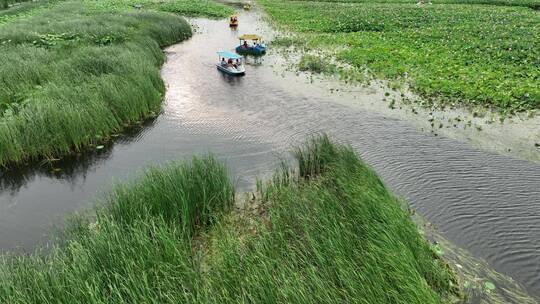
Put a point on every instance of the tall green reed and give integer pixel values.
(330, 233)
(74, 74)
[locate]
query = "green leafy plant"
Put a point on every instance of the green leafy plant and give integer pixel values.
(316, 64)
(470, 53)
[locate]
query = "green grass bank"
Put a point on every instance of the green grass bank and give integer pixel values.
(328, 231)
(475, 53)
(74, 73)
(5, 4)
(191, 8)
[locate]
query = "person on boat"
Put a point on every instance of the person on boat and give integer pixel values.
(238, 63)
(223, 62)
(245, 45)
(229, 62)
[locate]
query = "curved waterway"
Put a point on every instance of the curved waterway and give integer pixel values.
(486, 203)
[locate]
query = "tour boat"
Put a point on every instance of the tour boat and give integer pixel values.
(254, 47)
(231, 63)
(233, 21)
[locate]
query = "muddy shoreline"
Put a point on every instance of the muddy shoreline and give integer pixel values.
(516, 135)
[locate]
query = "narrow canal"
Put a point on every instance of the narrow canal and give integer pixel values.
(481, 201)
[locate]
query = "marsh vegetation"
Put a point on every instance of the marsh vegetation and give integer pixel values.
(325, 231)
(468, 52)
(74, 73)
(4, 4)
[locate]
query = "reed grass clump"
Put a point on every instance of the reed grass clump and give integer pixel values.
(315, 156)
(325, 232)
(332, 234)
(72, 75)
(188, 195)
(136, 248)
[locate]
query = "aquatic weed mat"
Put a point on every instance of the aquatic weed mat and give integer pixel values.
(471, 54)
(189, 8)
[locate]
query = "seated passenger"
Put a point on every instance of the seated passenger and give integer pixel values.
(245, 45)
(223, 63)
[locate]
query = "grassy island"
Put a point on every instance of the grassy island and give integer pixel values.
(327, 231)
(74, 73)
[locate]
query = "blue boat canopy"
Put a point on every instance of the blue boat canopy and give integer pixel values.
(230, 55)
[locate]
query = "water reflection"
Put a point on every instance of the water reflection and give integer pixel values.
(71, 169)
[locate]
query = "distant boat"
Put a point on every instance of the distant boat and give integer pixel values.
(233, 21)
(231, 63)
(253, 47)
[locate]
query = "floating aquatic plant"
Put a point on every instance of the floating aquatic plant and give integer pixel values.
(474, 54)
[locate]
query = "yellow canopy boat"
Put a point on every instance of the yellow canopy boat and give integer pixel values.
(250, 37)
(254, 48)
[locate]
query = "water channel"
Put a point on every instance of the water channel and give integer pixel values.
(484, 202)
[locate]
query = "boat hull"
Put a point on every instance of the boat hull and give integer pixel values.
(251, 50)
(228, 71)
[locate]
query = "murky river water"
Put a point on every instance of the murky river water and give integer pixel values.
(484, 202)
